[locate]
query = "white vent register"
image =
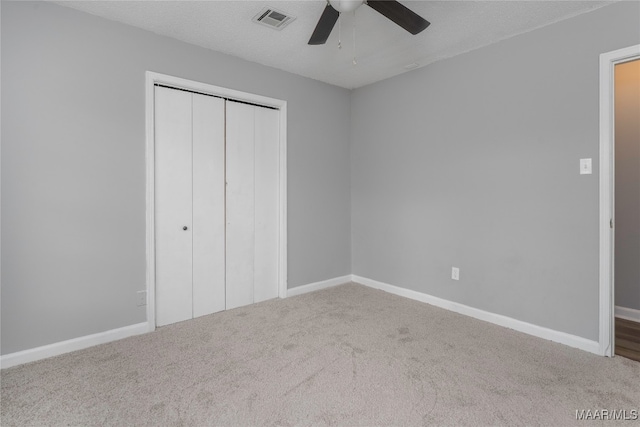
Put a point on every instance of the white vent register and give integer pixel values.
(273, 18)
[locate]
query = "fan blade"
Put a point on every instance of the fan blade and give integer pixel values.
(399, 14)
(325, 25)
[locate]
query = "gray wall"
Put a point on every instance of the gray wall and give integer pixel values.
(73, 168)
(474, 162)
(627, 184)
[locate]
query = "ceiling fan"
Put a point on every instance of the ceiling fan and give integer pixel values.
(392, 10)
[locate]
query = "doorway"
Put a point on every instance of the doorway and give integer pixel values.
(627, 208)
(619, 200)
(228, 99)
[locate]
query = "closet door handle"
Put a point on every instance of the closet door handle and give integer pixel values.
(185, 228)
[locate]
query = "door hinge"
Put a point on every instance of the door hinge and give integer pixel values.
(611, 223)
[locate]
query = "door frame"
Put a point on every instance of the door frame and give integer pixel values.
(608, 61)
(153, 78)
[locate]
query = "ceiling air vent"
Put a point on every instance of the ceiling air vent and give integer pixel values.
(273, 18)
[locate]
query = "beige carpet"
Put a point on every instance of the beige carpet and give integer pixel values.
(348, 355)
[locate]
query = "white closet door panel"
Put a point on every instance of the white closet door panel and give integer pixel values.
(173, 205)
(208, 205)
(240, 204)
(267, 138)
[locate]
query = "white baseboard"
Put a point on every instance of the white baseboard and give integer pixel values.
(508, 322)
(55, 349)
(311, 287)
(628, 313)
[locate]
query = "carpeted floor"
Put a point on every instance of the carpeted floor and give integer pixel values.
(348, 355)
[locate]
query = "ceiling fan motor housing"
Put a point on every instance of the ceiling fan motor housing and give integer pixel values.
(345, 5)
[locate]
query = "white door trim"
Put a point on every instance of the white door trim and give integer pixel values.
(151, 79)
(607, 202)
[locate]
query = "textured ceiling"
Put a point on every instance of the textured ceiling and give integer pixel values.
(382, 49)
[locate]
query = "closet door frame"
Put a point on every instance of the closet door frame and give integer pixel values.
(152, 79)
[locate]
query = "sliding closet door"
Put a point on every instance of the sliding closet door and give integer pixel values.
(217, 204)
(208, 205)
(173, 133)
(266, 143)
(240, 204)
(190, 207)
(252, 203)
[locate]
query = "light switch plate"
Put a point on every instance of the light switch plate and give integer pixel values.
(585, 166)
(141, 298)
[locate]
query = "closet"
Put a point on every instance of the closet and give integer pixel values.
(216, 204)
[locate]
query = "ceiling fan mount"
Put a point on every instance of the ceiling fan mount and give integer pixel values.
(346, 5)
(393, 10)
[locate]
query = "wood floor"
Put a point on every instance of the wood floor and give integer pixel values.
(628, 339)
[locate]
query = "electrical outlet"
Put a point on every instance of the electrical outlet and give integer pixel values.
(455, 273)
(142, 298)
